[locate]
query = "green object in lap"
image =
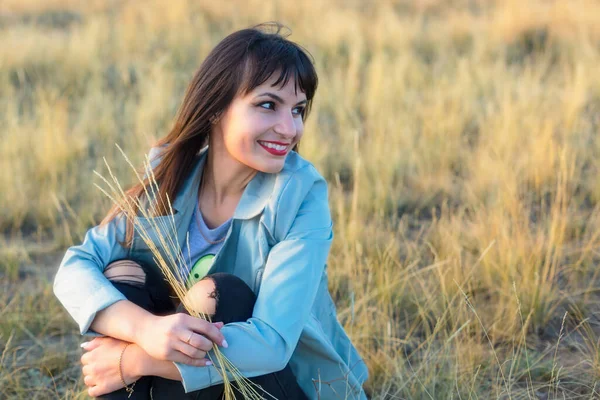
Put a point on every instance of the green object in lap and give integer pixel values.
(200, 269)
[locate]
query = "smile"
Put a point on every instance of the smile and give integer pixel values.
(275, 148)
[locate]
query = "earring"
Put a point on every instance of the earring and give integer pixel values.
(215, 118)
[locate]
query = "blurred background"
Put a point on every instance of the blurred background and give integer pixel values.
(460, 142)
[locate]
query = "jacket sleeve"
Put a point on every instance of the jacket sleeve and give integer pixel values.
(80, 284)
(265, 343)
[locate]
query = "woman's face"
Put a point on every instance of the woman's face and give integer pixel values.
(261, 128)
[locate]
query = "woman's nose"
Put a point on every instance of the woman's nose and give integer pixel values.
(286, 126)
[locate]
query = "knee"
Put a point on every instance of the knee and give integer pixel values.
(224, 297)
(202, 297)
(125, 271)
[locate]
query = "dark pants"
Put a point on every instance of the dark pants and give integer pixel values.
(235, 302)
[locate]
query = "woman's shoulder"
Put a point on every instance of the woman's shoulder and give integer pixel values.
(297, 179)
(298, 186)
(155, 154)
(297, 168)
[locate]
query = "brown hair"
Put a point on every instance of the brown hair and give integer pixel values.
(238, 64)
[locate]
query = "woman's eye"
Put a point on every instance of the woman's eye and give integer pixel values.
(269, 103)
(300, 110)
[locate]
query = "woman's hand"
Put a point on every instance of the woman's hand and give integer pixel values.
(180, 338)
(101, 365)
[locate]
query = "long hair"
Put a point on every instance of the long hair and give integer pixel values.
(238, 64)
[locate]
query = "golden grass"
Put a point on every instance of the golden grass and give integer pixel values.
(459, 139)
(168, 256)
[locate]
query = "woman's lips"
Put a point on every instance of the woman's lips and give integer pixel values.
(275, 148)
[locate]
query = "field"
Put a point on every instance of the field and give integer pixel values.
(460, 142)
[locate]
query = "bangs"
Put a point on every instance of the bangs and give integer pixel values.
(287, 59)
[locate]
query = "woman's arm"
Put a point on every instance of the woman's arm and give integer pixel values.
(144, 364)
(96, 304)
(170, 338)
(80, 284)
(108, 362)
(264, 343)
(123, 320)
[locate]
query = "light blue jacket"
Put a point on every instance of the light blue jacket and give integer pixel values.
(278, 244)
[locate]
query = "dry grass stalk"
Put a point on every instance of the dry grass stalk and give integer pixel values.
(169, 261)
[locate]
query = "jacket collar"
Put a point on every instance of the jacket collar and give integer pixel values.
(253, 201)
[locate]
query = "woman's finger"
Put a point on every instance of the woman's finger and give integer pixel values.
(93, 344)
(196, 340)
(89, 381)
(207, 329)
(95, 391)
(182, 358)
(218, 324)
(190, 350)
(204, 362)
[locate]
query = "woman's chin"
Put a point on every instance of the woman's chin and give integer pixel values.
(272, 169)
(269, 166)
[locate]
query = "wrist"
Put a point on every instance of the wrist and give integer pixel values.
(144, 326)
(135, 363)
(154, 367)
(144, 364)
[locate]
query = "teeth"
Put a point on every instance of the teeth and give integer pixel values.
(274, 146)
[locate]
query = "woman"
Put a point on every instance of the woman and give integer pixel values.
(253, 216)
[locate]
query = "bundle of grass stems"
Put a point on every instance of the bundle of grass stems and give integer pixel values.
(169, 259)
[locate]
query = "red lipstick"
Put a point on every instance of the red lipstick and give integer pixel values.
(275, 151)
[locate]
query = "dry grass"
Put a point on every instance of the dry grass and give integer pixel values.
(161, 239)
(459, 139)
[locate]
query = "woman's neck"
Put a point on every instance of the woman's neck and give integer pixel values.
(224, 177)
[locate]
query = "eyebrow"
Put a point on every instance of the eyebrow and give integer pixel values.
(279, 99)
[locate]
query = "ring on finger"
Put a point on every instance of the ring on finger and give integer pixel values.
(190, 338)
